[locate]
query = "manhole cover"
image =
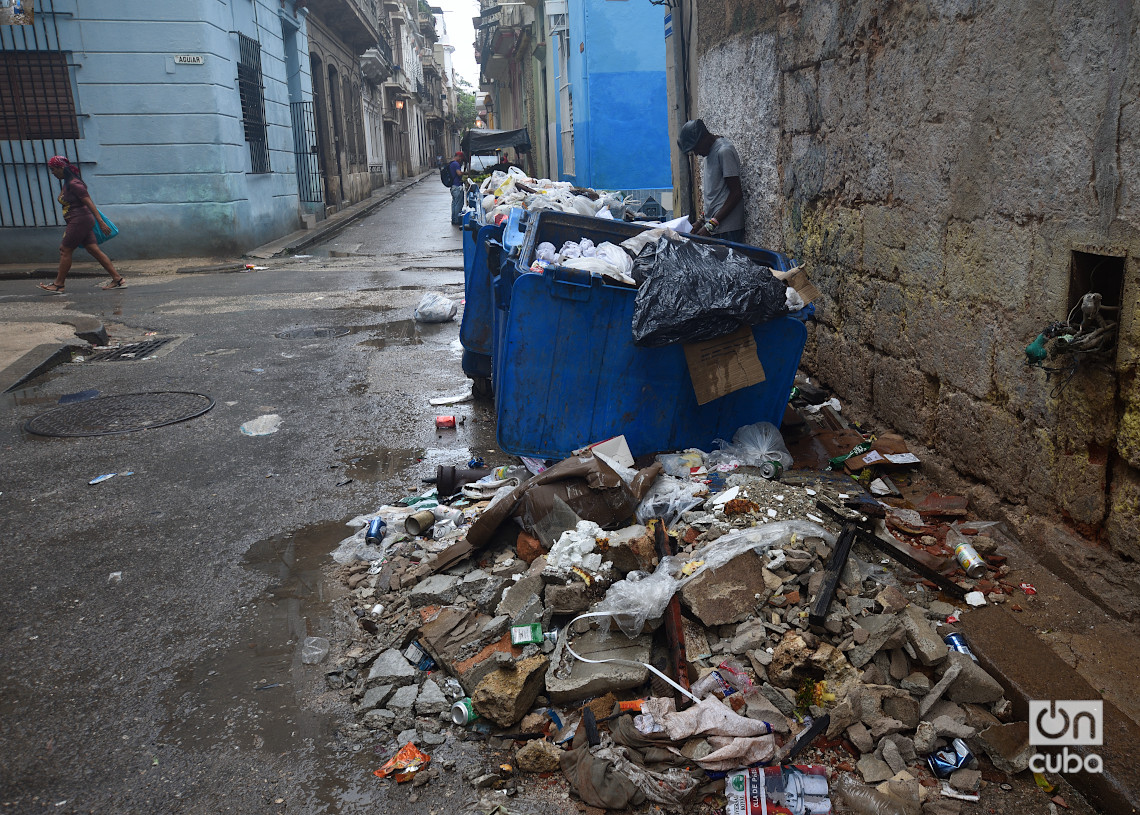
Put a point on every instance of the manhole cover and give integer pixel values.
(134, 351)
(326, 333)
(125, 413)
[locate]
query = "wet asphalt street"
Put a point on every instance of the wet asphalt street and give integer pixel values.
(178, 687)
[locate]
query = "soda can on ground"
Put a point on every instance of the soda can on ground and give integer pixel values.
(970, 561)
(954, 757)
(377, 528)
(463, 712)
(771, 470)
(958, 643)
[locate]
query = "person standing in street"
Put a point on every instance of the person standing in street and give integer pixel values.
(720, 182)
(81, 216)
(456, 167)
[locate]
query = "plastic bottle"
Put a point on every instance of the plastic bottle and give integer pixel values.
(864, 800)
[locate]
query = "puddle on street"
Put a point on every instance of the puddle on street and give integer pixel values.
(401, 332)
(246, 694)
(383, 463)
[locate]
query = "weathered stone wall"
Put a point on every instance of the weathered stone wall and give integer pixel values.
(936, 164)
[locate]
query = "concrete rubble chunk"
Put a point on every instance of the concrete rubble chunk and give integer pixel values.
(1008, 746)
(884, 631)
(403, 699)
(903, 708)
(727, 594)
(390, 668)
(905, 745)
(760, 707)
(891, 600)
(874, 769)
(928, 647)
(431, 701)
(947, 727)
(973, 684)
(966, 780)
(376, 697)
(538, 756)
(569, 679)
(571, 599)
(437, 590)
(925, 737)
(891, 755)
(520, 596)
(631, 549)
(886, 726)
(940, 688)
(505, 695)
(860, 736)
(409, 736)
(917, 684)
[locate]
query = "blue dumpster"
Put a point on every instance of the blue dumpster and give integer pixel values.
(566, 371)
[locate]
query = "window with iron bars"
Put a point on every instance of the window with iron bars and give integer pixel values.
(252, 92)
(35, 96)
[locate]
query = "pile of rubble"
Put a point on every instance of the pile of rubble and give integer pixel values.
(646, 633)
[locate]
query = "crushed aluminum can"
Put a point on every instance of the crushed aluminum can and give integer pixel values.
(1027, 588)
(955, 757)
(958, 643)
(445, 422)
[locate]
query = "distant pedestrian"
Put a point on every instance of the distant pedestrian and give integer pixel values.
(720, 182)
(81, 215)
(456, 167)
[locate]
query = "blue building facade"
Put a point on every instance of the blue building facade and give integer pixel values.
(610, 74)
(187, 119)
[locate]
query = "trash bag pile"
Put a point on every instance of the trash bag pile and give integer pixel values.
(780, 613)
(504, 191)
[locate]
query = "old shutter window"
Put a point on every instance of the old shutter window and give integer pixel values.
(252, 93)
(35, 96)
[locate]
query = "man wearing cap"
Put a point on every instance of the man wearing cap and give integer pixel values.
(720, 182)
(456, 167)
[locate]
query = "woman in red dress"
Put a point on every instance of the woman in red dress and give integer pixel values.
(80, 214)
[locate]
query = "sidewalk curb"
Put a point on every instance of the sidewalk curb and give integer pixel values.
(1029, 670)
(36, 362)
(304, 238)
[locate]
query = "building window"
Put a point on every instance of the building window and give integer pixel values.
(35, 96)
(252, 94)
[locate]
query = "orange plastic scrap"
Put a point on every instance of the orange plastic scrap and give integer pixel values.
(404, 764)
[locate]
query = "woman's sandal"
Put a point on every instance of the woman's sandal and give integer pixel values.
(115, 284)
(51, 288)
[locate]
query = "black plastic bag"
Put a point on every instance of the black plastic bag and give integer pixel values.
(692, 292)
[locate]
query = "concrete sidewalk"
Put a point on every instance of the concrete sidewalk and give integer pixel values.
(30, 349)
(304, 238)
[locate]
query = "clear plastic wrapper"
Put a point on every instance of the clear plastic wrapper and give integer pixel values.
(696, 291)
(752, 445)
(668, 498)
(641, 597)
(680, 465)
(756, 538)
(436, 308)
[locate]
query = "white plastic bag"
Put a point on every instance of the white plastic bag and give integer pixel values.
(756, 538)
(668, 498)
(641, 597)
(752, 445)
(545, 251)
(436, 308)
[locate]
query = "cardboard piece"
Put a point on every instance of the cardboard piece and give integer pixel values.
(888, 450)
(797, 278)
(589, 486)
(719, 367)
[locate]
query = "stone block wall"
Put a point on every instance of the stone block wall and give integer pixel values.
(935, 164)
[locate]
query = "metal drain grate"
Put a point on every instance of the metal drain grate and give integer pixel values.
(128, 353)
(326, 333)
(125, 413)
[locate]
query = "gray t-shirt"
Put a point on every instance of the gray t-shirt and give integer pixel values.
(722, 162)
